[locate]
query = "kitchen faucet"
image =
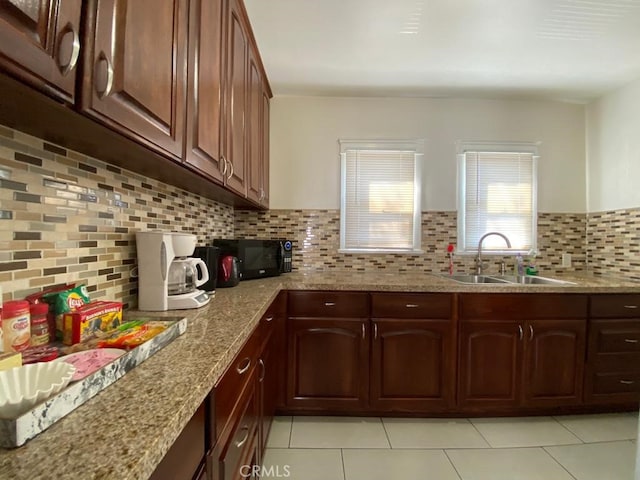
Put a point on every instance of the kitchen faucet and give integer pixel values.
(479, 256)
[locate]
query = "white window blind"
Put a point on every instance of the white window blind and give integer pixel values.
(380, 200)
(498, 194)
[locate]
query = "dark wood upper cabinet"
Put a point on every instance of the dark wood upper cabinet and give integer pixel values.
(236, 98)
(135, 69)
(40, 44)
(205, 86)
(266, 125)
(254, 170)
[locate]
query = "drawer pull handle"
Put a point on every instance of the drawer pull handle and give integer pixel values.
(530, 332)
(263, 370)
(520, 331)
(329, 304)
(633, 307)
(240, 443)
(243, 366)
(363, 330)
(269, 318)
(412, 305)
(627, 382)
(630, 340)
(375, 330)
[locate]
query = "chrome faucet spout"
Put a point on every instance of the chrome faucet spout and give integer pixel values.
(479, 256)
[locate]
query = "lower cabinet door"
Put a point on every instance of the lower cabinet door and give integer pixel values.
(328, 364)
(413, 367)
(489, 370)
(183, 460)
(553, 362)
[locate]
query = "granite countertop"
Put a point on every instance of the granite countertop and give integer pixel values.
(123, 432)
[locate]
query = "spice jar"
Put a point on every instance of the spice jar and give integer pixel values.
(16, 325)
(39, 324)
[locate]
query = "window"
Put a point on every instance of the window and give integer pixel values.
(380, 205)
(497, 193)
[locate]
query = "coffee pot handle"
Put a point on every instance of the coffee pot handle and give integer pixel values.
(203, 277)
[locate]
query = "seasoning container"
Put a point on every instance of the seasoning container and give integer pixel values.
(16, 325)
(39, 324)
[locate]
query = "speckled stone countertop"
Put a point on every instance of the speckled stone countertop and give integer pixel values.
(123, 432)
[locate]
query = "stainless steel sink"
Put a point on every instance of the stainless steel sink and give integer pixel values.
(533, 280)
(476, 279)
(507, 279)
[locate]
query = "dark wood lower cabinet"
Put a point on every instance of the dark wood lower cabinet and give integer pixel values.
(508, 365)
(489, 365)
(553, 362)
(328, 363)
(412, 365)
(185, 458)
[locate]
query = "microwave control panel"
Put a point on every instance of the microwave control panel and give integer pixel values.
(287, 256)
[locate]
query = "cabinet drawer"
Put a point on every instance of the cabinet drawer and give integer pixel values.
(616, 383)
(241, 437)
(225, 394)
(328, 304)
(411, 305)
(616, 336)
(617, 362)
(620, 305)
(510, 306)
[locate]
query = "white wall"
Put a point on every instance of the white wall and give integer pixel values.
(613, 150)
(305, 131)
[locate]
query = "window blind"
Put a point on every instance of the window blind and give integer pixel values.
(499, 196)
(379, 200)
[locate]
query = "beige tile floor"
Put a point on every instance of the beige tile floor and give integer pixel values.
(581, 447)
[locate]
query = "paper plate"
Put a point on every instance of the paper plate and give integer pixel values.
(91, 361)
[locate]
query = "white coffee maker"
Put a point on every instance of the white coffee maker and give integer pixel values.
(167, 275)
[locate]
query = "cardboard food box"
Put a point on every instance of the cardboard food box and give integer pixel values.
(83, 323)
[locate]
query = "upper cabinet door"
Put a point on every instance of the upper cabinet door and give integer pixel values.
(236, 98)
(265, 148)
(136, 69)
(40, 43)
(254, 185)
(204, 104)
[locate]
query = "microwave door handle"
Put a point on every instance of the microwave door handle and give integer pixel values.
(281, 259)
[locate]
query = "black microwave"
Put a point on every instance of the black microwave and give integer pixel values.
(258, 258)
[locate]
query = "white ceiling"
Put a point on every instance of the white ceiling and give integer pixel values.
(572, 50)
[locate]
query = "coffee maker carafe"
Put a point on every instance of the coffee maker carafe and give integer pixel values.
(167, 276)
(185, 274)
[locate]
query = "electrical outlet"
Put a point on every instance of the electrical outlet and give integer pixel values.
(566, 259)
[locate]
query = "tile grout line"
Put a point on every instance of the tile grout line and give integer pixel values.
(344, 470)
(290, 432)
(479, 433)
(544, 449)
(570, 431)
(384, 427)
(452, 464)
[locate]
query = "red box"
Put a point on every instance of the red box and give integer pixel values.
(83, 323)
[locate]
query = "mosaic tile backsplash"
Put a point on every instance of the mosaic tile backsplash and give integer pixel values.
(66, 217)
(316, 239)
(614, 243)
